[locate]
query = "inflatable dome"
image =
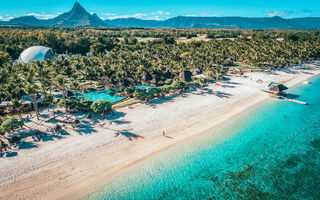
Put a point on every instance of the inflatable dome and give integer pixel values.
(35, 53)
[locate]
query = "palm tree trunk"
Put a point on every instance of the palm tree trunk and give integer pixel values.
(54, 114)
(19, 114)
(35, 105)
(65, 103)
(82, 91)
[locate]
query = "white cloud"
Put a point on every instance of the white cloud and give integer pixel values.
(7, 18)
(138, 16)
(284, 13)
(208, 15)
(160, 12)
(158, 15)
(109, 14)
(202, 15)
(42, 16)
(1, 17)
(154, 18)
(277, 13)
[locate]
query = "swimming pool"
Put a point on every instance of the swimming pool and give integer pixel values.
(96, 95)
(144, 86)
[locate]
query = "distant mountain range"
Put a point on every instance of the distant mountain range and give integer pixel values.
(78, 16)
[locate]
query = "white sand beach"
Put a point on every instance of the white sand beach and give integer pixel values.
(83, 160)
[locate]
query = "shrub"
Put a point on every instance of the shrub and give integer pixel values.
(228, 63)
(150, 94)
(129, 90)
(10, 125)
(177, 84)
(72, 103)
(166, 89)
(156, 91)
(140, 94)
(84, 105)
(168, 82)
(144, 94)
(101, 107)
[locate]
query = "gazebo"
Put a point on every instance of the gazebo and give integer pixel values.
(276, 88)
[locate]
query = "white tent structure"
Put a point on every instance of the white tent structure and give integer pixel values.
(35, 53)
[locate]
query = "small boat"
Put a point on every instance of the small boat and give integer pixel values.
(306, 82)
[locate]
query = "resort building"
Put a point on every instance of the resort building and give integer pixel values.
(39, 53)
(276, 88)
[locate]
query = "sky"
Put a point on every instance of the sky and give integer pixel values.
(163, 9)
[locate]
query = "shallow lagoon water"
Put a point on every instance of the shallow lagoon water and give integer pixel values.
(270, 152)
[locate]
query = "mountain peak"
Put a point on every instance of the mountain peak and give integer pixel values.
(78, 8)
(78, 16)
(76, 4)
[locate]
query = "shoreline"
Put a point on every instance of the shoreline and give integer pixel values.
(81, 176)
(257, 101)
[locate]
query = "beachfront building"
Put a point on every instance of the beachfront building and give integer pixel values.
(276, 88)
(39, 53)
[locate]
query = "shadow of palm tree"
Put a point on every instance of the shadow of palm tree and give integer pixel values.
(228, 86)
(162, 100)
(233, 83)
(121, 122)
(45, 116)
(128, 134)
(12, 154)
(87, 129)
(51, 138)
(28, 145)
(115, 115)
(222, 94)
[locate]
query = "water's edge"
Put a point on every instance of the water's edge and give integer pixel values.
(197, 168)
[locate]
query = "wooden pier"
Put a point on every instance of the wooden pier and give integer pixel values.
(277, 90)
(294, 101)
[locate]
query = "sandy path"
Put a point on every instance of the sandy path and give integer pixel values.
(76, 165)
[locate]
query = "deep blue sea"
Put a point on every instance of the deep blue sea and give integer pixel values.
(270, 152)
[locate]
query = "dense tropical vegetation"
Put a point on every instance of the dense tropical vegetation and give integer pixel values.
(122, 59)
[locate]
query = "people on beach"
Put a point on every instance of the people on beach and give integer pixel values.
(163, 133)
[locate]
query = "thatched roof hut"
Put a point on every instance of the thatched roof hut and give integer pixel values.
(276, 88)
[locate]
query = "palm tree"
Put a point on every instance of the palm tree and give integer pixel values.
(201, 82)
(50, 100)
(32, 90)
(16, 106)
(62, 84)
(75, 85)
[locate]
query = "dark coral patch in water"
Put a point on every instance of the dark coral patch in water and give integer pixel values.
(315, 144)
(292, 161)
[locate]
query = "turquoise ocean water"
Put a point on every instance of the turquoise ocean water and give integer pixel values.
(270, 152)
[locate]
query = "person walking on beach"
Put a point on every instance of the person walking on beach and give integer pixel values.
(163, 133)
